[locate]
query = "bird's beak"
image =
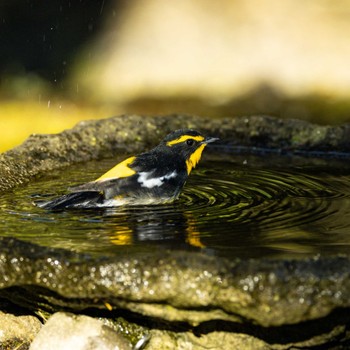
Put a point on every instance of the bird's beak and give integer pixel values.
(209, 140)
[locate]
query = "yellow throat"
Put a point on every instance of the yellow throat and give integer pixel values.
(194, 158)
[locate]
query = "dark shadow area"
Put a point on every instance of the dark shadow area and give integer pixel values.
(44, 37)
(15, 309)
(283, 334)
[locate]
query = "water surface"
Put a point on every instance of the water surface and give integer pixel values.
(235, 206)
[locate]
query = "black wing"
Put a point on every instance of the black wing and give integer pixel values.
(83, 199)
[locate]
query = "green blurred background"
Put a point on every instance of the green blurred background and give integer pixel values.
(63, 61)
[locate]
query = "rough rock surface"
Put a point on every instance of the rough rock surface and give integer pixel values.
(17, 332)
(214, 340)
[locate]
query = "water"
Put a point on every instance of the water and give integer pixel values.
(235, 206)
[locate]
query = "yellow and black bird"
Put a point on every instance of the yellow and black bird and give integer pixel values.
(153, 177)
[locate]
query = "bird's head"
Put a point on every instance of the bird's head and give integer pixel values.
(187, 144)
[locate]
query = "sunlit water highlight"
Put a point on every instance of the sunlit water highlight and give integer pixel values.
(228, 208)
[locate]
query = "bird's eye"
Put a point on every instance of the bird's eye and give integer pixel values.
(190, 142)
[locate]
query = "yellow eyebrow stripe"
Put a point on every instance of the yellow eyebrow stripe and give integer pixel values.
(184, 138)
(120, 170)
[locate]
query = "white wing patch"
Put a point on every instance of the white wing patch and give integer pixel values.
(147, 181)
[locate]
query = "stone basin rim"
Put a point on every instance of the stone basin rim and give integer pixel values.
(240, 279)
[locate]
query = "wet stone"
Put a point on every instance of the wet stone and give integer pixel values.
(78, 332)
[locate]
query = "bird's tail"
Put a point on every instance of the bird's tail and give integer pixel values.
(83, 199)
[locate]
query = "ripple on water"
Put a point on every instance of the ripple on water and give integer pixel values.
(225, 209)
